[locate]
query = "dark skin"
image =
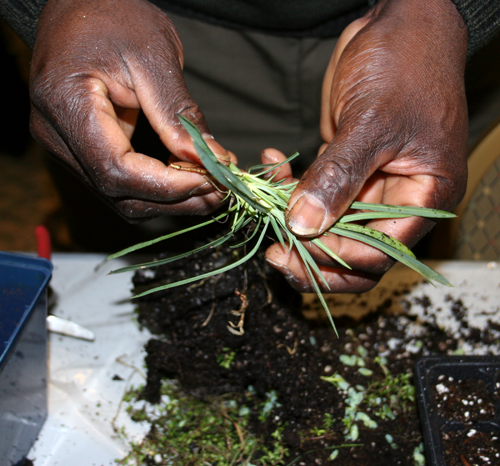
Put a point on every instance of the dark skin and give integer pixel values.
(95, 65)
(394, 121)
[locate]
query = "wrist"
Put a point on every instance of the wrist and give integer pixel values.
(438, 21)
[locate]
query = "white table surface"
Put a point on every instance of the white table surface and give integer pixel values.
(83, 398)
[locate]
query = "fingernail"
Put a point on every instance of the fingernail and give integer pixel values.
(263, 154)
(202, 189)
(222, 154)
(278, 265)
(307, 216)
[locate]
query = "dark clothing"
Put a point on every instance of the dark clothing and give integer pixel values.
(482, 19)
(296, 18)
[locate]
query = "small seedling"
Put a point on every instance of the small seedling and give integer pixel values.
(257, 199)
(226, 358)
(385, 398)
(418, 455)
(267, 406)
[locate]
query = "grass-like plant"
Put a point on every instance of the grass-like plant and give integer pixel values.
(257, 198)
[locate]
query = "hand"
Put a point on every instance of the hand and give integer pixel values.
(394, 122)
(96, 64)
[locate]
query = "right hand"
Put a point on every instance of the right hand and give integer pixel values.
(96, 64)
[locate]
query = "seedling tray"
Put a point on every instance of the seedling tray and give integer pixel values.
(23, 353)
(449, 408)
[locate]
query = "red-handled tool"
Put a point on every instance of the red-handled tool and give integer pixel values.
(43, 243)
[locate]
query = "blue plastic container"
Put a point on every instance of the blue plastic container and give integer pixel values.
(23, 353)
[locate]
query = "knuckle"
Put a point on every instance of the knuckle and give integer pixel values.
(108, 179)
(336, 177)
(192, 112)
(57, 99)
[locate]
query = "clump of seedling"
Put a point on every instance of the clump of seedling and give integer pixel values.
(188, 430)
(383, 398)
(259, 201)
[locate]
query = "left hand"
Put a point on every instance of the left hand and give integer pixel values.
(394, 122)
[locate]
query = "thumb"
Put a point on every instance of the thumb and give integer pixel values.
(330, 185)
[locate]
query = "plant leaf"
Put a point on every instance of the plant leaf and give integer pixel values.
(167, 260)
(409, 261)
(406, 210)
(369, 216)
(327, 250)
(274, 166)
(254, 232)
(219, 171)
(378, 235)
(310, 263)
(213, 272)
(145, 244)
(277, 231)
(301, 249)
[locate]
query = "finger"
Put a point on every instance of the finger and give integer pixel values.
(322, 148)
(273, 157)
(417, 190)
(106, 155)
(339, 279)
(201, 199)
(127, 119)
(163, 96)
(135, 209)
(327, 124)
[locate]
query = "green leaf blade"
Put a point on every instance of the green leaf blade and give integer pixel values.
(213, 272)
(168, 260)
(407, 210)
(145, 244)
(409, 261)
(378, 235)
(219, 171)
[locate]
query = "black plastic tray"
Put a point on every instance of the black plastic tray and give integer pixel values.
(427, 372)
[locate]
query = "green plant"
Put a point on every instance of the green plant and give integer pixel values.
(418, 455)
(226, 358)
(188, 430)
(256, 198)
(395, 393)
(268, 405)
(385, 398)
